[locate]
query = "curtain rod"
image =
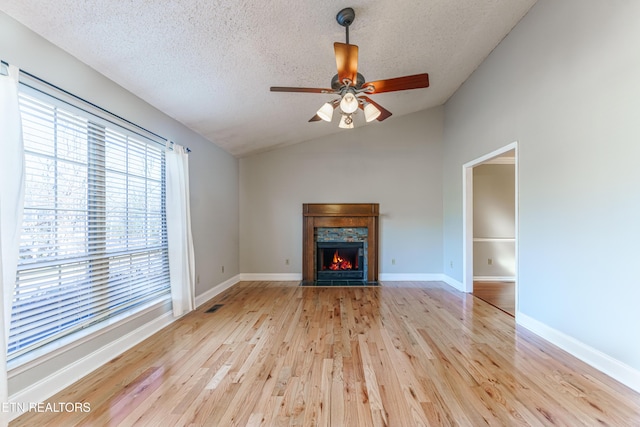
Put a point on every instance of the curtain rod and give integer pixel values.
(104, 110)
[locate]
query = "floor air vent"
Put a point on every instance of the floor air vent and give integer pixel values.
(214, 308)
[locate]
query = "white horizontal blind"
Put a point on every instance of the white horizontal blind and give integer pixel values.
(94, 239)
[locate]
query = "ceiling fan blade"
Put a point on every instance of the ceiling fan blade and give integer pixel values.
(415, 81)
(301, 89)
(384, 113)
(315, 118)
(347, 61)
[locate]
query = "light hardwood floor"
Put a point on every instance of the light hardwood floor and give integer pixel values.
(499, 294)
(402, 354)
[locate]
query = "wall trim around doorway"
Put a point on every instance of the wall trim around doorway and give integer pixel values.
(467, 215)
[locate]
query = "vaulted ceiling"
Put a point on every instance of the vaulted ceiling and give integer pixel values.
(210, 63)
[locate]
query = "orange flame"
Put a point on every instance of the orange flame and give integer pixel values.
(339, 263)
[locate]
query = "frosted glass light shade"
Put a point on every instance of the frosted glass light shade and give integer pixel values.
(371, 112)
(349, 103)
(346, 122)
(326, 112)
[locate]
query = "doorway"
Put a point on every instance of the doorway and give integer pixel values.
(490, 194)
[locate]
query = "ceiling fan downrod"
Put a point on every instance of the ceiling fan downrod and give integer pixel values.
(345, 18)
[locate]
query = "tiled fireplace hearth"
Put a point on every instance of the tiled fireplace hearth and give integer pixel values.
(340, 242)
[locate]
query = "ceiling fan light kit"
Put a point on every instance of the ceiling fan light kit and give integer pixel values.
(346, 122)
(352, 87)
(326, 112)
(371, 112)
(349, 103)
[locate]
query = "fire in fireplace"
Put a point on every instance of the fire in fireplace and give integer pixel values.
(340, 260)
(340, 263)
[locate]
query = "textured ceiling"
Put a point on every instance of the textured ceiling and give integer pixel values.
(209, 64)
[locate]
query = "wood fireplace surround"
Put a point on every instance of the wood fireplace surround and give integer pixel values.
(341, 215)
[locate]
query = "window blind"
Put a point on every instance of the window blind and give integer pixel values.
(94, 241)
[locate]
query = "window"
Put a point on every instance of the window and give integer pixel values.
(94, 242)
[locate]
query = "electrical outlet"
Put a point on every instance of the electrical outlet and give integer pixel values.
(286, 261)
(393, 261)
(490, 261)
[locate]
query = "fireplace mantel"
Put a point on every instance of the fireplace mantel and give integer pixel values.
(339, 215)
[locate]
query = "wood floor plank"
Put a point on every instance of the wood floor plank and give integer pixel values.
(378, 412)
(401, 354)
(499, 294)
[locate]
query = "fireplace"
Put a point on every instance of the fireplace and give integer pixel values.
(345, 230)
(340, 261)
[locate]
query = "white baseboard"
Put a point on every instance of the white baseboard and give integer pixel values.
(47, 387)
(421, 277)
(410, 277)
(390, 277)
(203, 298)
(452, 282)
(494, 278)
(57, 381)
(270, 277)
(602, 362)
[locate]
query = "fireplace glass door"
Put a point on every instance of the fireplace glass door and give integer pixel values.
(340, 261)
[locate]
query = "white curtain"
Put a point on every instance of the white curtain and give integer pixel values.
(181, 256)
(11, 210)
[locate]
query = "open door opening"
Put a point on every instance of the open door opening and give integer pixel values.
(490, 228)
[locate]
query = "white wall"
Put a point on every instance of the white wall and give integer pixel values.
(564, 84)
(213, 174)
(395, 163)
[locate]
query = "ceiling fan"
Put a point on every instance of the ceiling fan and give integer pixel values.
(351, 86)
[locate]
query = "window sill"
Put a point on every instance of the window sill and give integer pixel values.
(40, 355)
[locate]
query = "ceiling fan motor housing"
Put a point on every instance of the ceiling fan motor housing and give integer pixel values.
(337, 85)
